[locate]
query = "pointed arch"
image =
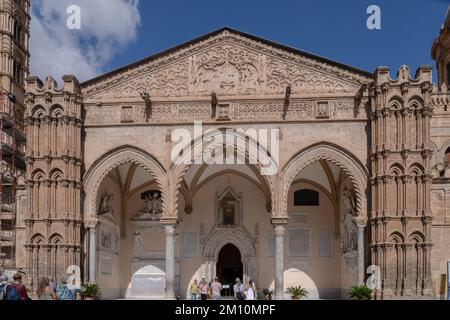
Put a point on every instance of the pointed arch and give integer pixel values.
(113, 159)
(263, 159)
(347, 162)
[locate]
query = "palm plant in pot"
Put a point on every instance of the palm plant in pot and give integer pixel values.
(90, 291)
(297, 292)
(268, 293)
(360, 292)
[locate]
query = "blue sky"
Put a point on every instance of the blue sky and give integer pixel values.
(335, 29)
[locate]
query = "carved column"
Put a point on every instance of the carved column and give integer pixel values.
(170, 261)
(279, 261)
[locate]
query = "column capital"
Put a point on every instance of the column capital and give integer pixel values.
(280, 230)
(169, 230)
(91, 224)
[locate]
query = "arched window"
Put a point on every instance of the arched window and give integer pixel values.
(306, 197)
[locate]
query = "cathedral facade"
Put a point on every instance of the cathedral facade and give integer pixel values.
(337, 176)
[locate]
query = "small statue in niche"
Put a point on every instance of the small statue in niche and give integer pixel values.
(228, 216)
(349, 229)
(106, 204)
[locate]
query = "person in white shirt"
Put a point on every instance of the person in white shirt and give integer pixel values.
(250, 291)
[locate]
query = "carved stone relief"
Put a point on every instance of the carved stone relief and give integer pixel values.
(227, 64)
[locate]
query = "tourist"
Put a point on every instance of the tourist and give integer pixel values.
(3, 286)
(216, 287)
(194, 290)
(64, 292)
(204, 288)
(52, 284)
(238, 290)
(44, 292)
(16, 290)
(250, 291)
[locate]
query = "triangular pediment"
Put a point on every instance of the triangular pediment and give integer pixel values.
(228, 63)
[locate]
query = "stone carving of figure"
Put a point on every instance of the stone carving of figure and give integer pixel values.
(228, 216)
(152, 208)
(106, 204)
(349, 229)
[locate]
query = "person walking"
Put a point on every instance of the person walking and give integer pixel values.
(216, 287)
(194, 290)
(250, 291)
(238, 290)
(44, 292)
(203, 288)
(16, 290)
(64, 292)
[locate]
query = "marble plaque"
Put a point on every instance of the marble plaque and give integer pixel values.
(299, 243)
(299, 218)
(189, 244)
(325, 244)
(271, 244)
(106, 264)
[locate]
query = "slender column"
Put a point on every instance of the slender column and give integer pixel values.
(279, 261)
(170, 261)
(361, 254)
(92, 251)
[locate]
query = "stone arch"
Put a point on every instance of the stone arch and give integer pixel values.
(55, 239)
(395, 103)
(37, 239)
(181, 164)
(355, 170)
(111, 160)
(56, 111)
(223, 236)
(417, 237)
(38, 112)
(396, 237)
(416, 102)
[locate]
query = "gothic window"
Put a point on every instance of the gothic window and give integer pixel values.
(17, 72)
(306, 197)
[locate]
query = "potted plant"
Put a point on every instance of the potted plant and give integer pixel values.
(360, 292)
(297, 293)
(268, 293)
(90, 291)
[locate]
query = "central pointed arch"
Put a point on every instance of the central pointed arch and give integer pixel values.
(264, 160)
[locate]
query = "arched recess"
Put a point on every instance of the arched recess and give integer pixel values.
(55, 258)
(355, 170)
(238, 237)
(113, 159)
(240, 142)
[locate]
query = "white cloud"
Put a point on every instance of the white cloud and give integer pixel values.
(107, 27)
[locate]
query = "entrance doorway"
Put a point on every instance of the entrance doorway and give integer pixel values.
(229, 267)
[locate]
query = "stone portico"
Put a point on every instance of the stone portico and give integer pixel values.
(352, 186)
